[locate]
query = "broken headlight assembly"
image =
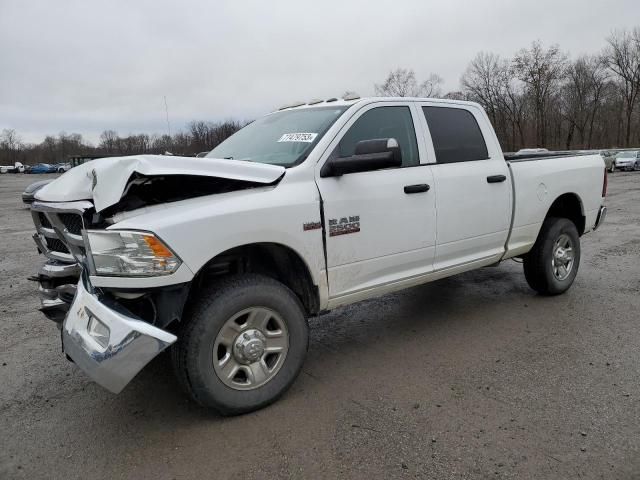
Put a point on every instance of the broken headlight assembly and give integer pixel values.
(129, 254)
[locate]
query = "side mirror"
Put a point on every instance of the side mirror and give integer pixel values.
(369, 155)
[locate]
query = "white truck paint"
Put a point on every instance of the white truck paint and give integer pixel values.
(356, 235)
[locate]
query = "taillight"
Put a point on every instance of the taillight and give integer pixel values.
(604, 183)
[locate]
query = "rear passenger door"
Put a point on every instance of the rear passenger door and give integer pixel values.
(473, 185)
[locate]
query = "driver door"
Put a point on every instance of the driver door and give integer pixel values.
(379, 225)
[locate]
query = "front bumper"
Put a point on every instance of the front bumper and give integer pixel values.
(131, 344)
(624, 165)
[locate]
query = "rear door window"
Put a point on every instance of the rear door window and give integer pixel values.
(455, 134)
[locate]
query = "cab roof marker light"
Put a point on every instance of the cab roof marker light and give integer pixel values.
(315, 101)
(293, 105)
(332, 99)
(351, 96)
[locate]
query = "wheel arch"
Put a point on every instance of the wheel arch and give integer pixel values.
(274, 260)
(569, 206)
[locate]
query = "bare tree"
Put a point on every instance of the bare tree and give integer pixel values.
(109, 141)
(623, 56)
(582, 97)
(402, 83)
(489, 81)
(483, 82)
(542, 71)
(10, 142)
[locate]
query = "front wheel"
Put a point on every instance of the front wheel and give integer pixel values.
(243, 344)
(552, 264)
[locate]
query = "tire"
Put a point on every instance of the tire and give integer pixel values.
(539, 263)
(202, 345)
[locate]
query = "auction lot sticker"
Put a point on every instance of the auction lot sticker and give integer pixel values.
(298, 137)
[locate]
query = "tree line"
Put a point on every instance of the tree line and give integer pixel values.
(199, 136)
(539, 97)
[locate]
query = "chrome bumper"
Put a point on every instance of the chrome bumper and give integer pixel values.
(111, 361)
(602, 214)
(57, 285)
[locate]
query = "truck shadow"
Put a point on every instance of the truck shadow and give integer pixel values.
(358, 329)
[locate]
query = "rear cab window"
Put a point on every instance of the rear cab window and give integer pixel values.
(455, 134)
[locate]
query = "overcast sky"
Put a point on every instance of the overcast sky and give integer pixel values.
(86, 65)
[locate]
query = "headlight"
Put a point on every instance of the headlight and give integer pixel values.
(130, 254)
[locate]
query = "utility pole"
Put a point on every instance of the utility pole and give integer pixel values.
(166, 111)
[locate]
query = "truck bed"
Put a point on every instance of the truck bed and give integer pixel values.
(538, 183)
(514, 157)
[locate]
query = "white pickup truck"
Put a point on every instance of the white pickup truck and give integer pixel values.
(306, 209)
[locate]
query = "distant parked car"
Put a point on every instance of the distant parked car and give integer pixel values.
(609, 158)
(629, 160)
(28, 196)
(63, 167)
(43, 168)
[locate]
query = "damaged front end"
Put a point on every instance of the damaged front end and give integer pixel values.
(113, 325)
(110, 333)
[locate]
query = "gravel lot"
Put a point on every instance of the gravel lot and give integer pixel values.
(470, 377)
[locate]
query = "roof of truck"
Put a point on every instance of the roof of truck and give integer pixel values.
(364, 100)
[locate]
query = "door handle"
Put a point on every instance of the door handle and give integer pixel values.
(496, 178)
(420, 187)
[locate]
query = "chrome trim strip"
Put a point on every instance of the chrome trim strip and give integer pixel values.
(62, 207)
(51, 254)
(53, 303)
(55, 270)
(47, 293)
(48, 232)
(65, 236)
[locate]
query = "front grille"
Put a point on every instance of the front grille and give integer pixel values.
(66, 223)
(56, 245)
(72, 222)
(44, 221)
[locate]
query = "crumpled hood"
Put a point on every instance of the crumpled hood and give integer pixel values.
(104, 180)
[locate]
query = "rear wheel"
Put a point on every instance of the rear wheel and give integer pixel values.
(243, 344)
(552, 264)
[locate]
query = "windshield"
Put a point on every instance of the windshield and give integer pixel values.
(627, 154)
(282, 138)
